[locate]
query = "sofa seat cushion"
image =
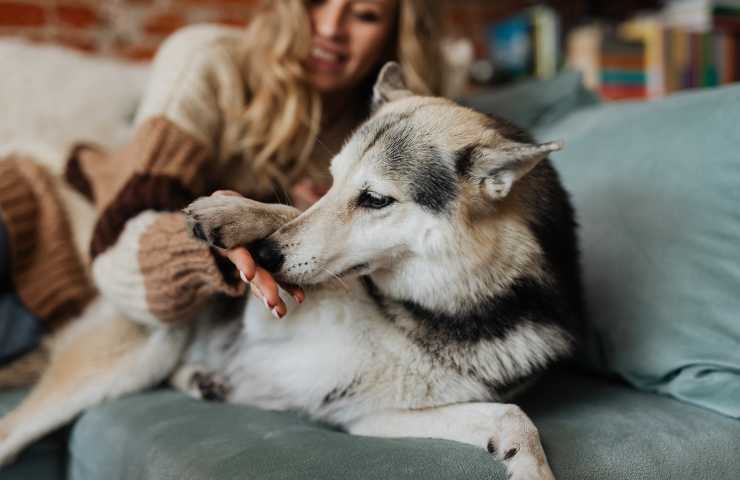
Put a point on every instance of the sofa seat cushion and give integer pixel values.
(591, 429)
(44, 460)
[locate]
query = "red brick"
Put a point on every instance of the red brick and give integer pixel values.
(246, 3)
(164, 24)
(18, 14)
(82, 43)
(77, 16)
(137, 52)
(234, 22)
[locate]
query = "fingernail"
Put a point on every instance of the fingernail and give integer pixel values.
(243, 277)
(267, 304)
(297, 299)
(275, 313)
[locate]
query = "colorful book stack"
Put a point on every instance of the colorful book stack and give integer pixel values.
(525, 45)
(702, 39)
(691, 44)
(623, 69)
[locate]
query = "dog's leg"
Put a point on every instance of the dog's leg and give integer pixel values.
(502, 429)
(100, 356)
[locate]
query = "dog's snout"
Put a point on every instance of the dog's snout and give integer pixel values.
(267, 254)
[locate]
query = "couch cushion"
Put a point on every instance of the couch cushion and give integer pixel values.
(657, 190)
(44, 460)
(591, 429)
(535, 103)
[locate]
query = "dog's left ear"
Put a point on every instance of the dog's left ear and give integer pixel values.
(498, 168)
(390, 86)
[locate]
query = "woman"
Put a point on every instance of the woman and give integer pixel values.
(257, 113)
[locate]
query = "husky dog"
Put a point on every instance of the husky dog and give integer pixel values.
(441, 272)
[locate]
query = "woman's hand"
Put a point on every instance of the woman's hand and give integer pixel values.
(260, 280)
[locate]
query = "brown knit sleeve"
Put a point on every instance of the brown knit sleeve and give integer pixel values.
(163, 169)
(46, 269)
(156, 272)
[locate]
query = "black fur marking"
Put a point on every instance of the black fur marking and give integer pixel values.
(510, 453)
(491, 447)
(198, 232)
(526, 299)
(339, 393)
(435, 186)
(556, 233)
(464, 160)
(378, 134)
(216, 239)
(388, 121)
(555, 229)
(432, 182)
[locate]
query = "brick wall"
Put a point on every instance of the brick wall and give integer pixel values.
(122, 28)
(134, 28)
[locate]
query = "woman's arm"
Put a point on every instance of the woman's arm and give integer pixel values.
(144, 260)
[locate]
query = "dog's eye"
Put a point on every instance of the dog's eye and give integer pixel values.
(373, 200)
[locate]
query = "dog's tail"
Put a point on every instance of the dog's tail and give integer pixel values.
(26, 369)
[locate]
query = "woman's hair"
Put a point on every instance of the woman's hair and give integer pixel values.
(280, 125)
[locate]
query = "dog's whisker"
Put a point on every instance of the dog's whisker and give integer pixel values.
(338, 278)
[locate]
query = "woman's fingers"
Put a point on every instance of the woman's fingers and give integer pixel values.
(270, 292)
(243, 260)
(296, 292)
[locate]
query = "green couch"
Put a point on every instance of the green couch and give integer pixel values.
(592, 425)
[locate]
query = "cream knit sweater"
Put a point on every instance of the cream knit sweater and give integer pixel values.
(144, 260)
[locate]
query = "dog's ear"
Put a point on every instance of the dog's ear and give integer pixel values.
(390, 86)
(496, 169)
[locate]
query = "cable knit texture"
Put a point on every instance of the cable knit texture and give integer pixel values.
(186, 145)
(179, 273)
(144, 260)
(46, 269)
(163, 168)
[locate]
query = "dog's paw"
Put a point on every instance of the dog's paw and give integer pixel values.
(231, 221)
(210, 386)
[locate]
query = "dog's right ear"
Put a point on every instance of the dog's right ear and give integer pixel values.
(390, 86)
(497, 168)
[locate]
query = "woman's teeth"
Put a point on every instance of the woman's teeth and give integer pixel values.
(322, 54)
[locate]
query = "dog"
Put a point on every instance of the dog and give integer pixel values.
(441, 272)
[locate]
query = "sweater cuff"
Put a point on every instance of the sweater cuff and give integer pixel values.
(47, 272)
(19, 212)
(179, 272)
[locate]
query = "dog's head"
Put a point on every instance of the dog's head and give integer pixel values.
(413, 184)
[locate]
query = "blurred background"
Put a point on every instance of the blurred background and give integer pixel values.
(629, 49)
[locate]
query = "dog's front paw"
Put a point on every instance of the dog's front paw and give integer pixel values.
(210, 386)
(231, 221)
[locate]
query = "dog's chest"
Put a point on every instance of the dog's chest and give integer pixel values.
(321, 346)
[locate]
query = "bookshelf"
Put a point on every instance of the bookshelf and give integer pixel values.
(627, 50)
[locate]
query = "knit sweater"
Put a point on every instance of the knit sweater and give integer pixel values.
(143, 258)
(186, 145)
(45, 267)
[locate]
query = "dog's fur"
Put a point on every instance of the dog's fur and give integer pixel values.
(441, 273)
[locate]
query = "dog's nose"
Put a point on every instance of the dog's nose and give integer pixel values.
(267, 254)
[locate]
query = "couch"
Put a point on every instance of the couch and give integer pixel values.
(608, 416)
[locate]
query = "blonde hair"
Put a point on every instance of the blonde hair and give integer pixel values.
(281, 122)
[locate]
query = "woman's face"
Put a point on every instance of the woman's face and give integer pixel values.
(350, 38)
